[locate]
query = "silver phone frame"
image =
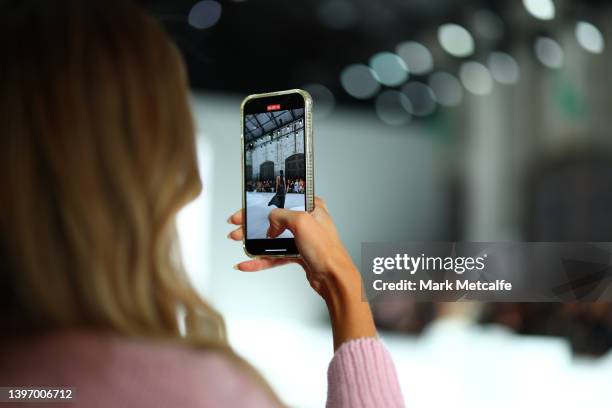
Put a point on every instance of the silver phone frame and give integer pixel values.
(309, 157)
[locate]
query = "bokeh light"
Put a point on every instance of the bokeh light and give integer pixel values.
(488, 25)
(476, 78)
(541, 9)
(417, 57)
(456, 40)
(358, 81)
(324, 101)
(422, 98)
(549, 52)
(589, 37)
(446, 88)
(392, 107)
(204, 14)
(389, 69)
(504, 68)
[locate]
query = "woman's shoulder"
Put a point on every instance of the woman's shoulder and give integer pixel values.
(112, 370)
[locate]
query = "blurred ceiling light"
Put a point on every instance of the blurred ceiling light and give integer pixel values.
(589, 37)
(417, 57)
(324, 100)
(542, 9)
(549, 52)
(456, 40)
(476, 78)
(389, 69)
(488, 25)
(446, 88)
(358, 81)
(422, 98)
(392, 107)
(504, 68)
(204, 14)
(338, 14)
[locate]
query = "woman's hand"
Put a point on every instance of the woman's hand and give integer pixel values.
(323, 254)
(329, 268)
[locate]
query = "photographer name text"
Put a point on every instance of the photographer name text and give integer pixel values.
(443, 286)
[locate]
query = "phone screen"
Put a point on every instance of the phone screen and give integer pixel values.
(274, 167)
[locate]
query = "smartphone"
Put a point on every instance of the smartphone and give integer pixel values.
(277, 166)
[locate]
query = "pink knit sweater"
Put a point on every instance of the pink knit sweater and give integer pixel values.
(111, 371)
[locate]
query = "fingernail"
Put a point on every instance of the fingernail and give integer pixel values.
(229, 235)
(229, 220)
(236, 267)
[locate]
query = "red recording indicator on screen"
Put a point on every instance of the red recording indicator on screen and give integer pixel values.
(273, 107)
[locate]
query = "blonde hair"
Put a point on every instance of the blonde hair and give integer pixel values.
(97, 156)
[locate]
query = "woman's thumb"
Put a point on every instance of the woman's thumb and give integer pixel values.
(280, 220)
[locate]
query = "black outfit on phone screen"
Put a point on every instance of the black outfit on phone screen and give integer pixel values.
(279, 198)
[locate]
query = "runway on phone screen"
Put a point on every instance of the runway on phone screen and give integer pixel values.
(258, 210)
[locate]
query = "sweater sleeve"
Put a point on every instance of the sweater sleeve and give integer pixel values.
(362, 374)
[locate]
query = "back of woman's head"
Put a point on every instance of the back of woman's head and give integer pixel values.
(96, 157)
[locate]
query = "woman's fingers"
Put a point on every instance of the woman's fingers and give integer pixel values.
(282, 219)
(237, 234)
(254, 265)
(320, 203)
(236, 218)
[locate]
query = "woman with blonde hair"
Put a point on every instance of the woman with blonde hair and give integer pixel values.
(97, 156)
